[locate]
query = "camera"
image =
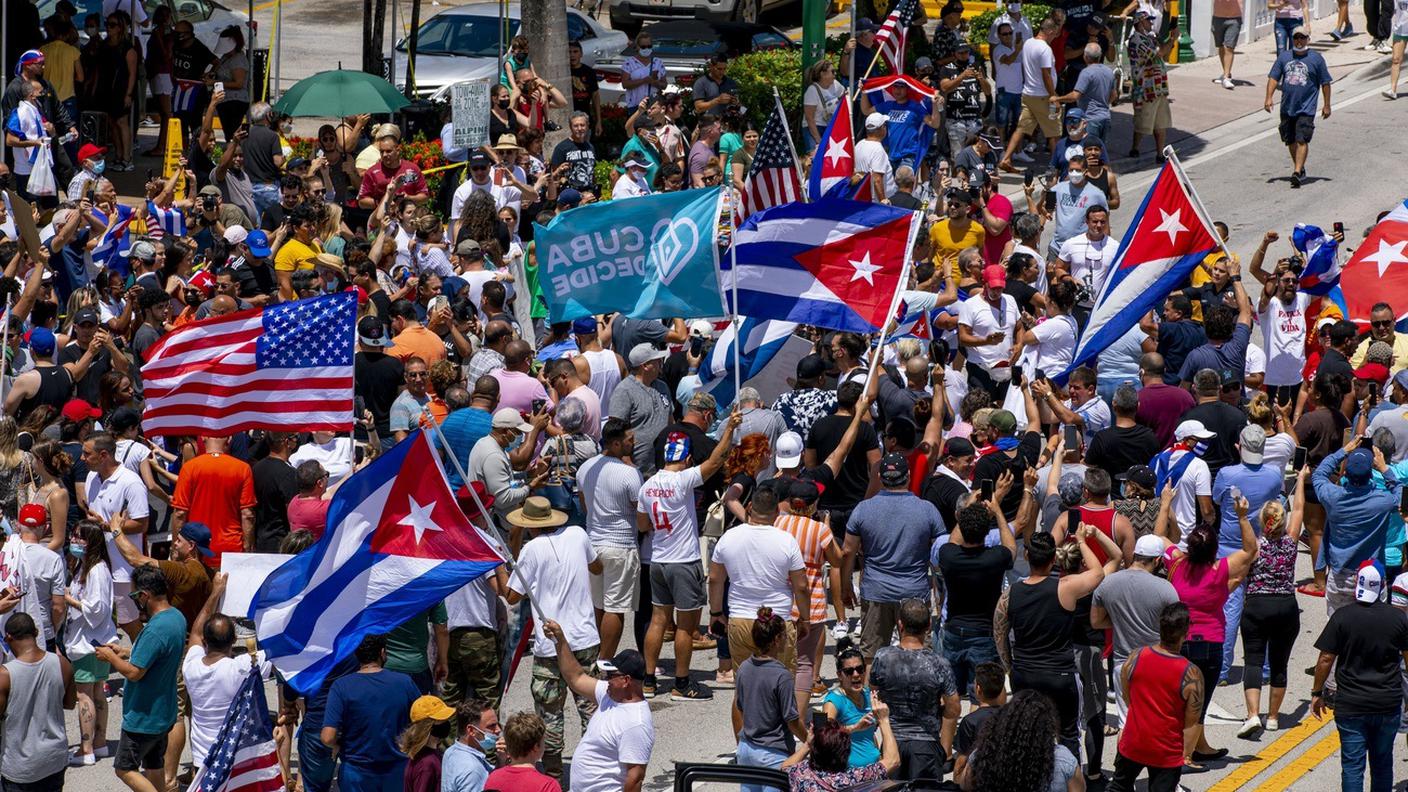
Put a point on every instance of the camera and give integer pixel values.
(208, 202)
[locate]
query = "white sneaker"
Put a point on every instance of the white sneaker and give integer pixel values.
(76, 759)
(1272, 723)
(1249, 728)
(1384, 48)
(1371, 46)
(1228, 83)
(1021, 156)
(1389, 93)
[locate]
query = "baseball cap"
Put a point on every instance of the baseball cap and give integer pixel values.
(1091, 141)
(963, 44)
(676, 447)
(468, 247)
(1002, 421)
(875, 120)
(297, 162)
(1075, 114)
(959, 447)
(28, 57)
(804, 490)
(258, 243)
(1372, 372)
(569, 198)
(1369, 585)
(33, 515)
(1358, 465)
(643, 353)
(78, 409)
(90, 151)
(1401, 379)
(584, 326)
(894, 470)
(122, 419)
(1300, 30)
(993, 141)
(479, 160)
(923, 62)
(1071, 489)
(1398, 593)
(430, 708)
(635, 161)
(864, 25)
(701, 328)
(41, 341)
(1192, 428)
(995, 275)
(212, 191)
(236, 234)
(1149, 546)
(371, 332)
(1253, 443)
(627, 661)
(1141, 15)
(85, 316)
(198, 534)
(812, 367)
(1142, 475)
(142, 250)
(703, 402)
(789, 450)
(508, 418)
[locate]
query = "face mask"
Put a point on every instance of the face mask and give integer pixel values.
(487, 744)
(645, 53)
(77, 551)
(514, 444)
(1014, 8)
(92, 31)
(287, 129)
(1301, 50)
(440, 730)
(224, 47)
(1077, 177)
(503, 104)
(98, 167)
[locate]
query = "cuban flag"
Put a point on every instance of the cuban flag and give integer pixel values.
(835, 264)
(762, 339)
(163, 221)
(186, 94)
(1377, 271)
(1322, 264)
(914, 324)
(1167, 237)
(396, 543)
(111, 250)
(883, 86)
(835, 160)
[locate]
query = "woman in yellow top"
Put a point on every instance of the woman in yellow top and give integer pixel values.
(299, 249)
(956, 231)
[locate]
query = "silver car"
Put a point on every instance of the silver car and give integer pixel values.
(206, 16)
(628, 15)
(685, 47)
(462, 43)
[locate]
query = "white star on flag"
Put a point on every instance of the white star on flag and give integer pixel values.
(1388, 254)
(1171, 225)
(836, 151)
(864, 269)
(420, 519)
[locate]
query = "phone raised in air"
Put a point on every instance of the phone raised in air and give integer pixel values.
(987, 489)
(539, 405)
(1339, 227)
(1299, 461)
(1072, 436)
(1072, 520)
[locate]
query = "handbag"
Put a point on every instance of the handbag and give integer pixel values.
(715, 520)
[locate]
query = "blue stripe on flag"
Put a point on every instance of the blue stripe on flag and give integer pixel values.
(762, 339)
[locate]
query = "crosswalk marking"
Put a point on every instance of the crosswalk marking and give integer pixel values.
(1286, 743)
(1302, 764)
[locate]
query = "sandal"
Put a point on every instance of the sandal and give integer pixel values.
(1310, 590)
(1192, 767)
(1206, 757)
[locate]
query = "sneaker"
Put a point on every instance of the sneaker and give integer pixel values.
(691, 692)
(1389, 93)
(1228, 83)
(148, 123)
(649, 687)
(1023, 157)
(1295, 180)
(1249, 728)
(1030, 148)
(76, 759)
(1336, 35)
(1272, 723)
(1384, 48)
(1371, 46)
(103, 752)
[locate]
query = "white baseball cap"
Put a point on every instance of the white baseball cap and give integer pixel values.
(235, 234)
(1369, 585)
(789, 450)
(876, 120)
(1189, 429)
(1149, 546)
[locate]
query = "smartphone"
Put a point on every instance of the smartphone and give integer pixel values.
(539, 405)
(1049, 200)
(95, 644)
(696, 346)
(1029, 177)
(1403, 500)
(1235, 492)
(359, 454)
(1072, 520)
(987, 486)
(1374, 391)
(1339, 227)
(1299, 461)
(219, 87)
(1041, 374)
(818, 719)
(1072, 436)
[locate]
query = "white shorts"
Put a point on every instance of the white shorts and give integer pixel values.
(122, 603)
(616, 588)
(160, 84)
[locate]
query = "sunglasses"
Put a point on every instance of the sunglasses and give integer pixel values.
(853, 670)
(1384, 323)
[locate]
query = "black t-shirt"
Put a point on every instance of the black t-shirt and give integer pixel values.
(584, 85)
(701, 446)
(965, 102)
(275, 484)
(1226, 422)
(967, 737)
(1368, 641)
(378, 382)
(943, 491)
(87, 387)
(1023, 293)
(782, 487)
(259, 150)
(992, 465)
(1334, 362)
(582, 175)
(973, 578)
(851, 485)
(904, 200)
(256, 279)
(273, 217)
(189, 63)
(1116, 449)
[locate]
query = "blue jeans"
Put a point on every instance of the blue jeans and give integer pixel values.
(1372, 735)
(752, 755)
(808, 143)
(1097, 128)
(315, 762)
(1007, 109)
(353, 779)
(1283, 33)
(965, 648)
(1106, 387)
(265, 196)
(1232, 612)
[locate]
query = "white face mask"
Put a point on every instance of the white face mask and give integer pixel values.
(224, 47)
(1077, 177)
(1301, 50)
(646, 53)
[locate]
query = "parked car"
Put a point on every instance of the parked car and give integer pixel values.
(462, 43)
(628, 15)
(686, 45)
(206, 16)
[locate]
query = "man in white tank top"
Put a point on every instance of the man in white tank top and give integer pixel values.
(600, 368)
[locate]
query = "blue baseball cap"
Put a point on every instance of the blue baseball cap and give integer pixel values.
(1358, 465)
(198, 534)
(42, 341)
(569, 198)
(584, 326)
(258, 243)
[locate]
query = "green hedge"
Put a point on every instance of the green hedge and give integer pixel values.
(757, 72)
(980, 25)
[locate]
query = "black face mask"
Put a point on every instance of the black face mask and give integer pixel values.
(440, 731)
(503, 104)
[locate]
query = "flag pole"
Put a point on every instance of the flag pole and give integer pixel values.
(5, 349)
(734, 319)
(1197, 202)
(875, 355)
(483, 510)
(787, 133)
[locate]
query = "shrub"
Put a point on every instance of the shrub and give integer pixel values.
(980, 25)
(757, 72)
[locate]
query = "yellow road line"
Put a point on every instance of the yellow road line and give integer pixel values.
(1302, 764)
(1286, 743)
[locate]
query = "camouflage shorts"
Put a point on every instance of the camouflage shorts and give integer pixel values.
(550, 696)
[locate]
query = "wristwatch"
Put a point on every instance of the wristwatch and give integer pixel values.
(1317, 693)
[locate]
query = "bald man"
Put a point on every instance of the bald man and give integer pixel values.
(518, 388)
(223, 305)
(490, 357)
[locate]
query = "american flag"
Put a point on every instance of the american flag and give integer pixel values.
(772, 178)
(243, 757)
(890, 38)
(287, 365)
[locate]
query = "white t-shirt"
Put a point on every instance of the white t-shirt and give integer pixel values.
(759, 559)
(43, 576)
(617, 735)
(1021, 28)
(1036, 56)
(92, 622)
(1283, 334)
(1009, 75)
(628, 187)
(610, 488)
(212, 688)
(335, 456)
(1056, 343)
(131, 454)
(1255, 364)
(871, 157)
(983, 319)
(1196, 480)
(1089, 262)
(121, 492)
(552, 568)
(462, 193)
(1095, 413)
(668, 499)
(473, 605)
(633, 69)
(824, 100)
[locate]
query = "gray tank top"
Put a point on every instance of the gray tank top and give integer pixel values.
(35, 745)
(606, 375)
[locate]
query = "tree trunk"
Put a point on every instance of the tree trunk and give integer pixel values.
(373, 35)
(411, 51)
(544, 22)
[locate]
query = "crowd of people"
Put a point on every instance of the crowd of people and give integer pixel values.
(999, 548)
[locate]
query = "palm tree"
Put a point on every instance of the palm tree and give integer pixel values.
(544, 22)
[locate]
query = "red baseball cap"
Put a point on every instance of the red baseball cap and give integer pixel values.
(995, 275)
(33, 515)
(90, 151)
(1372, 372)
(78, 409)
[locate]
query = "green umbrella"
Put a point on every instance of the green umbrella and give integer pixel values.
(338, 93)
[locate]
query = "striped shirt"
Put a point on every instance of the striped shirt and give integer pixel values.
(813, 538)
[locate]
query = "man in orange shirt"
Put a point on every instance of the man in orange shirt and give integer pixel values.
(218, 490)
(411, 338)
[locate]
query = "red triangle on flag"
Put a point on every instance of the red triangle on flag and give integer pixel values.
(420, 517)
(1169, 226)
(863, 269)
(1377, 271)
